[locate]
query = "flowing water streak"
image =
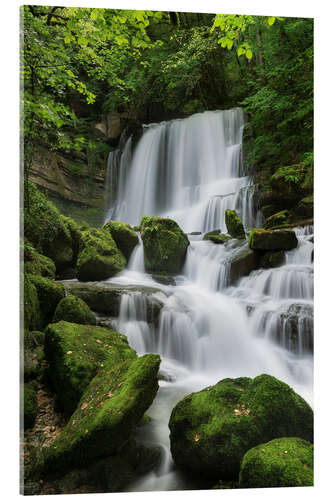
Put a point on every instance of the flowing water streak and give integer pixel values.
(190, 170)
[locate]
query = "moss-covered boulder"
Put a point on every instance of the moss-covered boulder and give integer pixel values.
(219, 239)
(124, 236)
(45, 228)
(30, 405)
(277, 220)
(242, 264)
(211, 430)
(260, 239)
(49, 295)
(74, 310)
(272, 259)
(214, 232)
(234, 225)
(36, 263)
(304, 207)
(281, 462)
(75, 354)
(111, 406)
(76, 235)
(31, 305)
(99, 256)
(165, 244)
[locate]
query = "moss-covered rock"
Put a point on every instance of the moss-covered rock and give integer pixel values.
(305, 207)
(124, 236)
(75, 354)
(165, 244)
(272, 259)
(112, 405)
(219, 239)
(279, 219)
(30, 405)
(76, 235)
(242, 264)
(45, 228)
(214, 232)
(211, 430)
(234, 225)
(281, 462)
(260, 239)
(74, 310)
(36, 263)
(288, 181)
(49, 295)
(99, 256)
(31, 305)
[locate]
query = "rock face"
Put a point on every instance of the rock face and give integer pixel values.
(259, 239)
(124, 236)
(99, 257)
(211, 430)
(280, 463)
(165, 244)
(234, 225)
(74, 310)
(96, 368)
(242, 264)
(106, 299)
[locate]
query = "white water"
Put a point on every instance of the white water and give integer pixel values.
(207, 331)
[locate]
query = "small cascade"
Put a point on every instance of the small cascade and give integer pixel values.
(136, 262)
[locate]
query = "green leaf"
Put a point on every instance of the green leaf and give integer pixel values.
(248, 54)
(230, 44)
(271, 20)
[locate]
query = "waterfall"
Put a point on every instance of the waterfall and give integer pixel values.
(191, 170)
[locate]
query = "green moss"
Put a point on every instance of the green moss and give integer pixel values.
(279, 463)
(32, 310)
(49, 295)
(289, 178)
(124, 236)
(36, 263)
(74, 310)
(113, 404)
(278, 219)
(234, 225)
(165, 244)
(212, 429)
(215, 232)
(75, 232)
(217, 238)
(99, 257)
(75, 354)
(260, 239)
(45, 229)
(30, 405)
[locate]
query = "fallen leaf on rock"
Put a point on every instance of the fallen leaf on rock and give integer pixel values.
(99, 341)
(84, 406)
(69, 352)
(196, 438)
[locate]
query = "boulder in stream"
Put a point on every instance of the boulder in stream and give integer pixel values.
(261, 239)
(283, 462)
(234, 225)
(99, 257)
(165, 244)
(242, 264)
(74, 310)
(124, 236)
(211, 430)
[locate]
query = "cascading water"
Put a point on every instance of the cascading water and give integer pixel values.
(191, 170)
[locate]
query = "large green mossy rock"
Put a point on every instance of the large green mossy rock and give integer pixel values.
(242, 264)
(260, 239)
(45, 228)
(278, 219)
(49, 295)
(111, 406)
(99, 256)
(36, 263)
(30, 405)
(272, 259)
(165, 245)
(218, 239)
(31, 305)
(234, 225)
(211, 430)
(75, 354)
(281, 462)
(74, 310)
(124, 236)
